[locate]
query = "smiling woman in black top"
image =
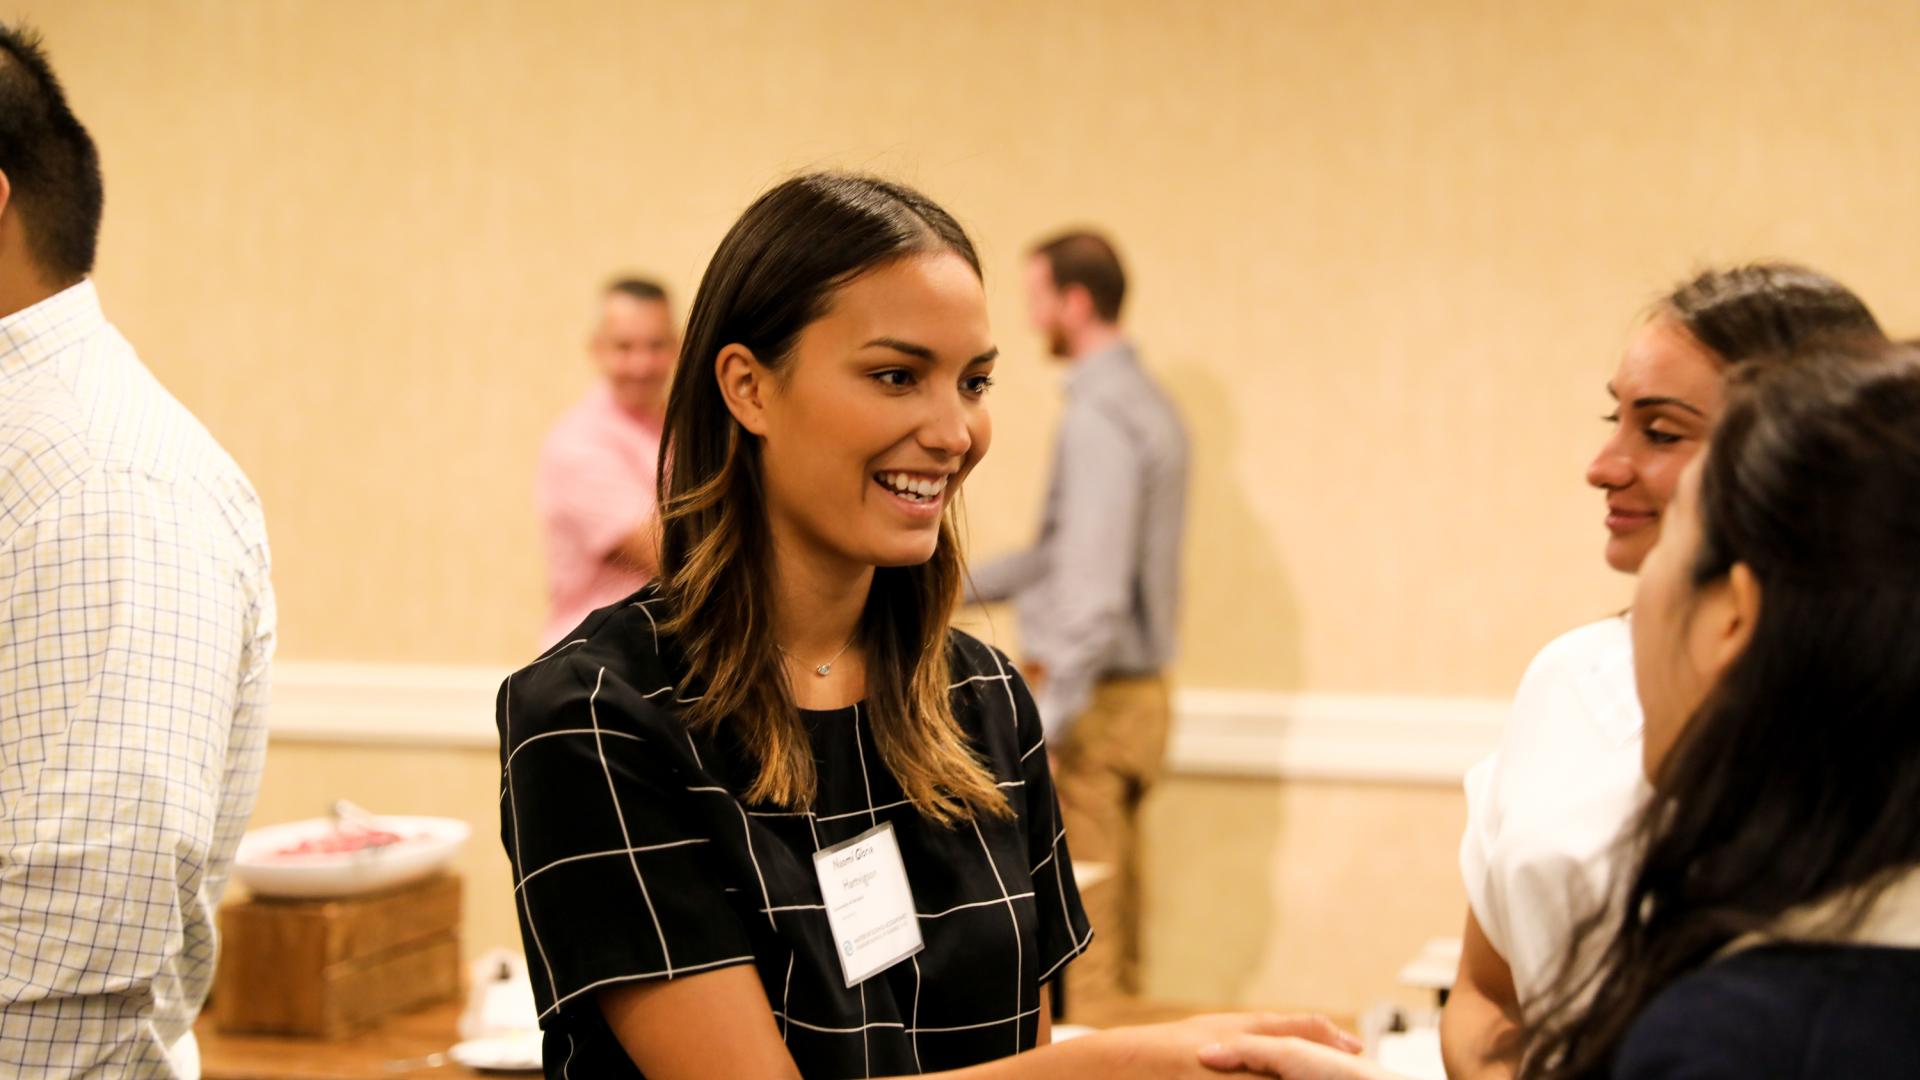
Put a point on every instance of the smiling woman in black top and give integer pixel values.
(672, 769)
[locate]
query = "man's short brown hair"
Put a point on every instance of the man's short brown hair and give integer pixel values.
(1088, 260)
(639, 288)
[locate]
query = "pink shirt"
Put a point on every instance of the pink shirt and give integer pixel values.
(593, 488)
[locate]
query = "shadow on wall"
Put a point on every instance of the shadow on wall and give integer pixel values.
(1208, 843)
(1240, 618)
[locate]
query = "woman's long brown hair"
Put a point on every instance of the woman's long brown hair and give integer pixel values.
(774, 273)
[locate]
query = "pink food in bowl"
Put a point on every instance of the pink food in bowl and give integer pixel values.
(340, 843)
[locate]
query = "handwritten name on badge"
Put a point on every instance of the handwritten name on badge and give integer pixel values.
(869, 903)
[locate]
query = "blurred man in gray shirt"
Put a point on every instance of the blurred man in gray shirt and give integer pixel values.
(1098, 593)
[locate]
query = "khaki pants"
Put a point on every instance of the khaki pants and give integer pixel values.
(1103, 769)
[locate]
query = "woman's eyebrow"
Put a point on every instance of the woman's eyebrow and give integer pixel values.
(921, 352)
(917, 351)
(1659, 400)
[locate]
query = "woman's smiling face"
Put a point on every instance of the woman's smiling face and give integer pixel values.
(1668, 391)
(871, 425)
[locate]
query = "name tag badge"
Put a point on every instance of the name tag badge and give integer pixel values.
(869, 903)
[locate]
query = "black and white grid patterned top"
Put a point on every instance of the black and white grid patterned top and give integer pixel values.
(634, 859)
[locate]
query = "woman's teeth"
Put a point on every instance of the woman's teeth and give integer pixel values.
(911, 487)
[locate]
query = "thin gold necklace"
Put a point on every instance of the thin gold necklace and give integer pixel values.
(822, 670)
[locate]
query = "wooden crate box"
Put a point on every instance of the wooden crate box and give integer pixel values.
(328, 968)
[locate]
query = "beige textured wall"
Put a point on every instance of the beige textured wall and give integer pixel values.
(1302, 894)
(1385, 252)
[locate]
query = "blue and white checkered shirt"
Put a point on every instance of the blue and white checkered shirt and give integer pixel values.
(136, 632)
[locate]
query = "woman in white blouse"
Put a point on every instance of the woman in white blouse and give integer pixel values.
(1545, 807)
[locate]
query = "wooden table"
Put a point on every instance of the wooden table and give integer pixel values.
(413, 1045)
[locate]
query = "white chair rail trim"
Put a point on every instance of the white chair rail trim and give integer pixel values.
(1313, 736)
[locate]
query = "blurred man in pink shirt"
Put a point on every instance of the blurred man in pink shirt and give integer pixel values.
(596, 486)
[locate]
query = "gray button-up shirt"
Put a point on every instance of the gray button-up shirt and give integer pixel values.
(1098, 593)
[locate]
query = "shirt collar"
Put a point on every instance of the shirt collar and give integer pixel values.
(1089, 368)
(1887, 915)
(48, 328)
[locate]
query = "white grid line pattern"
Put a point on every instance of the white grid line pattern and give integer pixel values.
(852, 1029)
(732, 875)
(1019, 953)
(1035, 1011)
(860, 750)
(746, 830)
(873, 819)
(620, 815)
(629, 851)
(651, 623)
(786, 993)
(644, 976)
(914, 1030)
(513, 826)
(1013, 705)
(565, 731)
(1059, 835)
(866, 1045)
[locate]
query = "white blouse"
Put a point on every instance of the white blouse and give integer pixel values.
(1544, 808)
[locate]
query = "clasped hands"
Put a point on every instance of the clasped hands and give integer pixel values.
(1293, 1047)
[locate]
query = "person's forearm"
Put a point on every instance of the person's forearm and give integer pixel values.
(1474, 1032)
(1480, 1026)
(996, 580)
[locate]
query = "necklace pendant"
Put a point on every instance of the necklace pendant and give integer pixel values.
(823, 670)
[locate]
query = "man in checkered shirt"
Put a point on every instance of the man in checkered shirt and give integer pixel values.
(136, 629)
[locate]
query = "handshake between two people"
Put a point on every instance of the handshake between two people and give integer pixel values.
(1293, 1047)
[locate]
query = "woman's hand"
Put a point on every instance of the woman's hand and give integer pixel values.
(1290, 1058)
(1156, 1051)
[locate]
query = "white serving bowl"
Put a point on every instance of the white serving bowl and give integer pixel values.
(426, 844)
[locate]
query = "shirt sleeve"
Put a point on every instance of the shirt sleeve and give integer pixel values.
(124, 650)
(1097, 523)
(589, 503)
(1476, 851)
(1542, 707)
(1006, 576)
(1063, 929)
(613, 873)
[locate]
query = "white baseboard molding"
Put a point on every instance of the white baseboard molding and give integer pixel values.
(1256, 734)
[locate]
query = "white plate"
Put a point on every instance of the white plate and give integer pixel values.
(509, 1053)
(426, 844)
